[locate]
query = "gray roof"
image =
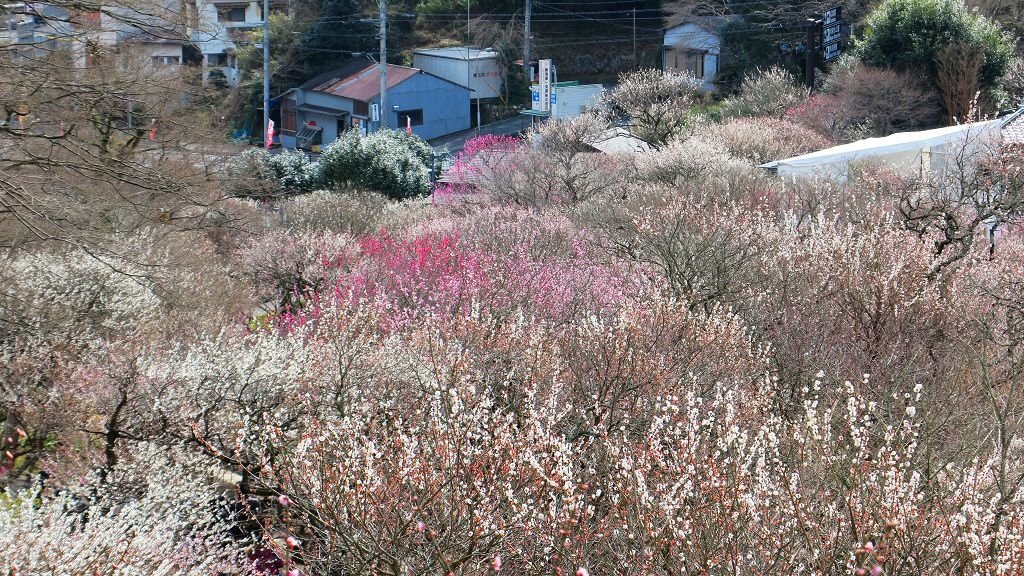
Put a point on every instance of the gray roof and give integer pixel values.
(458, 53)
(356, 64)
(1012, 128)
(710, 23)
(619, 140)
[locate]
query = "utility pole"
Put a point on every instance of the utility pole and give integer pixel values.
(469, 68)
(810, 54)
(383, 64)
(526, 43)
(266, 68)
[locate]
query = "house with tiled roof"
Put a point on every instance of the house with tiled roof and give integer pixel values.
(316, 112)
(1012, 131)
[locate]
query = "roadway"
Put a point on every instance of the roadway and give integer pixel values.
(453, 143)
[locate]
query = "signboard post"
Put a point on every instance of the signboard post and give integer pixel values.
(544, 77)
(832, 34)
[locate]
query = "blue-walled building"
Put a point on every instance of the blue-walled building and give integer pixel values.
(316, 112)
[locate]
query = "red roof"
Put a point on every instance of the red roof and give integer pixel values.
(365, 84)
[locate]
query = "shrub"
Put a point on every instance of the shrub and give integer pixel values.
(908, 34)
(293, 171)
(761, 140)
(250, 176)
(770, 92)
(159, 520)
(257, 173)
(356, 212)
(387, 161)
(693, 159)
(77, 297)
(860, 101)
(289, 268)
(474, 164)
(1013, 81)
(823, 114)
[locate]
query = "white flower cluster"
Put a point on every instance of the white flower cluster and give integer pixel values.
(166, 523)
(78, 295)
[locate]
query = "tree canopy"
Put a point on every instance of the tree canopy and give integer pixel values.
(908, 35)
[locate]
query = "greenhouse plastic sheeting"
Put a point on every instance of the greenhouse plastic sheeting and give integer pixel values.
(903, 151)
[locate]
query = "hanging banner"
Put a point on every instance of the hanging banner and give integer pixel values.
(270, 133)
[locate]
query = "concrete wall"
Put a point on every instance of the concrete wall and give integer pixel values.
(691, 36)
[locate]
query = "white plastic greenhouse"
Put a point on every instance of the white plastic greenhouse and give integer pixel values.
(935, 150)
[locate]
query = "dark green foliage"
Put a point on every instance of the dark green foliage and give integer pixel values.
(386, 161)
(751, 40)
(332, 36)
(907, 35)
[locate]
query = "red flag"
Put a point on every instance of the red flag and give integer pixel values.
(270, 133)
(408, 125)
(152, 129)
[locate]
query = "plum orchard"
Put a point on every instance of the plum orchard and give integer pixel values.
(687, 368)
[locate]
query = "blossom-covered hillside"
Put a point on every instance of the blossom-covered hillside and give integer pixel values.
(558, 362)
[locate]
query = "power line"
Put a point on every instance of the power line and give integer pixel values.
(598, 19)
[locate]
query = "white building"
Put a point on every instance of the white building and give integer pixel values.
(570, 99)
(695, 46)
(217, 27)
(36, 28)
(476, 68)
(149, 33)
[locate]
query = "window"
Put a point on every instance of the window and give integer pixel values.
(695, 64)
(415, 115)
(231, 14)
(288, 121)
(216, 59)
(166, 60)
(276, 7)
(691, 61)
(361, 108)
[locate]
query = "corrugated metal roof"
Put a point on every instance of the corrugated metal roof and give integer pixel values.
(459, 53)
(320, 110)
(357, 64)
(365, 84)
